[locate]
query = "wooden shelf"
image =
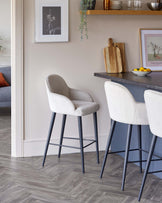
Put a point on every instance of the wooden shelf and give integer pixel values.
(123, 12)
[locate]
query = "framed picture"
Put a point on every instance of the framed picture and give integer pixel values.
(51, 21)
(151, 48)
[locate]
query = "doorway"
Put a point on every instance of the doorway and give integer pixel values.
(17, 118)
(5, 77)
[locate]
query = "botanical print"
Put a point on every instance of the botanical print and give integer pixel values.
(153, 49)
(51, 21)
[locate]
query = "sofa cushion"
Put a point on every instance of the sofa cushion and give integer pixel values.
(7, 73)
(3, 82)
(5, 94)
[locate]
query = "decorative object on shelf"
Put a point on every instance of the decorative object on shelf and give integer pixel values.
(115, 5)
(106, 4)
(137, 4)
(154, 6)
(134, 4)
(84, 6)
(51, 21)
(91, 4)
(130, 4)
(114, 57)
(151, 48)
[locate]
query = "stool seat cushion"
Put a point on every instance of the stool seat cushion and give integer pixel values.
(84, 108)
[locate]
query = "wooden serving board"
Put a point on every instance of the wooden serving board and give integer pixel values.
(121, 46)
(113, 59)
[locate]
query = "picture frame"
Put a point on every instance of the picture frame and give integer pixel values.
(151, 48)
(51, 20)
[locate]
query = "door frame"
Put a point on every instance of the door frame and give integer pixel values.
(17, 79)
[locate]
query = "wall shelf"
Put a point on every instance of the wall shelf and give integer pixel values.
(123, 12)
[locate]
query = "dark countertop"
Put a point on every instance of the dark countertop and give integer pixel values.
(152, 81)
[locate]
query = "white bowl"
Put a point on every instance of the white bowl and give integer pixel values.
(141, 73)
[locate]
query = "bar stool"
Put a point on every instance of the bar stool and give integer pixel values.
(124, 109)
(67, 101)
(153, 101)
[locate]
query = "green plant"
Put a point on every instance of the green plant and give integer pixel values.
(84, 6)
(1, 43)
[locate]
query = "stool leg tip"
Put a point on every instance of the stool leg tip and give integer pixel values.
(122, 188)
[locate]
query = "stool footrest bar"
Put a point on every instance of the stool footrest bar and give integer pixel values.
(72, 146)
(89, 144)
(137, 161)
(144, 161)
(156, 159)
(65, 146)
(154, 172)
(75, 138)
(153, 154)
(121, 151)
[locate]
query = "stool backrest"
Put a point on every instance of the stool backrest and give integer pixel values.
(153, 100)
(58, 95)
(121, 103)
(57, 84)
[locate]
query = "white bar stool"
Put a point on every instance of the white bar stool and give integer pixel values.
(67, 101)
(124, 109)
(153, 100)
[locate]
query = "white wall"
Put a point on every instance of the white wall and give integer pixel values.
(76, 61)
(5, 32)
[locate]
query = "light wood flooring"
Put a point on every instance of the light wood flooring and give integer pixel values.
(23, 180)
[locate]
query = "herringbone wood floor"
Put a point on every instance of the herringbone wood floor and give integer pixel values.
(61, 181)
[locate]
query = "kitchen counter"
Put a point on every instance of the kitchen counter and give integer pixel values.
(136, 85)
(152, 81)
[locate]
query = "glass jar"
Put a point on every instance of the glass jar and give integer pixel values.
(137, 4)
(130, 4)
(106, 4)
(134, 4)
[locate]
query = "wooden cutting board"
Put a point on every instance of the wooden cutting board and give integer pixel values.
(113, 60)
(121, 46)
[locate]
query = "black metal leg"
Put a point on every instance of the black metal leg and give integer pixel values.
(147, 165)
(96, 135)
(62, 134)
(49, 137)
(126, 155)
(81, 141)
(140, 145)
(108, 146)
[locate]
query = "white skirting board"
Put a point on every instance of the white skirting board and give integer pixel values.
(37, 147)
